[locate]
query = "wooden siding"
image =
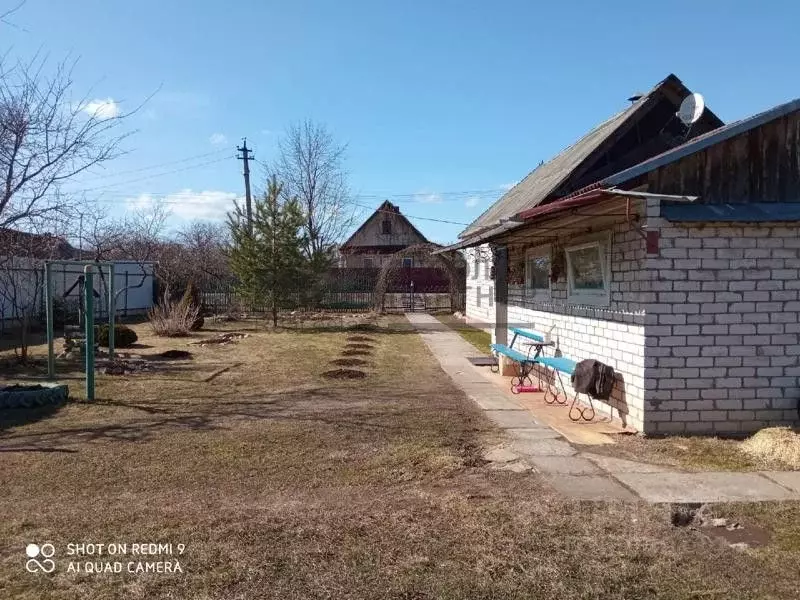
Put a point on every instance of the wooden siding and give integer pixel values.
(760, 165)
(403, 233)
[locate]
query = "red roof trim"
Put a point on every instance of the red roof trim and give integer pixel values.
(564, 204)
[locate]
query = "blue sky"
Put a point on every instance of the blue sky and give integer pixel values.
(442, 103)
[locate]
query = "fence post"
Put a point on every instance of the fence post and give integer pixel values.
(88, 290)
(112, 309)
(48, 292)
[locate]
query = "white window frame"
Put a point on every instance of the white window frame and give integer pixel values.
(410, 260)
(476, 264)
(538, 252)
(591, 297)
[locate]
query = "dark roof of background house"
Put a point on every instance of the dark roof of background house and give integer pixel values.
(385, 207)
(35, 245)
(546, 179)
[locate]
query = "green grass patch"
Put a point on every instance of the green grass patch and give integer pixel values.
(477, 337)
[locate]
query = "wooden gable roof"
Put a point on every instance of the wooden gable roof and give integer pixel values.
(646, 128)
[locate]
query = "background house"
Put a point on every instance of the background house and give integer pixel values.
(384, 233)
(680, 271)
(22, 257)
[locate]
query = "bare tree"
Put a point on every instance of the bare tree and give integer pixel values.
(311, 167)
(205, 247)
(47, 137)
(137, 237)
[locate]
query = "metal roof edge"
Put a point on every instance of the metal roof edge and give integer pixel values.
(751, 212)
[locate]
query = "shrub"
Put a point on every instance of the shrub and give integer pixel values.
(124, 337)
(191, 299)
(172, 319)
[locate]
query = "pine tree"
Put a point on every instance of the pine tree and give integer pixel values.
(269, 262)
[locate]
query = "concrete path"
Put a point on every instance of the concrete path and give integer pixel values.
(533, 446)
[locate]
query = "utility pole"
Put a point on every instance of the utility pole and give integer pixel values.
(246, 156)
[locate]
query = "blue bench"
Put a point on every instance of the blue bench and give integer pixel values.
(524, 362)
(560, 365)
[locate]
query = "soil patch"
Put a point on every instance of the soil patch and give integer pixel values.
(349, 362)
(221, 340)
(358, 347)
(360, 338)
(350, 352)
(344, 374)
(172, 355)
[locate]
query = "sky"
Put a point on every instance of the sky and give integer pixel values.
(443, 104)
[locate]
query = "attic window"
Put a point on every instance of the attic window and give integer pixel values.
(386, 227)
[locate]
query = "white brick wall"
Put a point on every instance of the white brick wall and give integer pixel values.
(480, 288)
(739, 285)
(614, 335)
(704, 335)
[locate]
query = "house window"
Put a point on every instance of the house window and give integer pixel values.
(476, 265)
(588, 273)
(408, 262)
(386, 227)
(537, 270)
(369, 262)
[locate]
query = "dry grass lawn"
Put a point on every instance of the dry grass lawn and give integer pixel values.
(285, 484)
(697, 453)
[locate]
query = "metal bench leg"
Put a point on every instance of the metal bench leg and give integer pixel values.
(581, 413)
(553, 397)
(523, 376)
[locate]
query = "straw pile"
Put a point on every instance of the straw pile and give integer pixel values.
(775, 444)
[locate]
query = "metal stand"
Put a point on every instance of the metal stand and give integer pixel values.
(88, 291)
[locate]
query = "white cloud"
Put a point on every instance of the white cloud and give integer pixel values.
(267, 132)
(188, 204)
(427, 198)
(218, 139)
(508, 186)
(101, 109)
(471, 201)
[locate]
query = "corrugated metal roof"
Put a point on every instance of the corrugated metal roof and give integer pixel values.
(753, 212)
(547, 177)
(703, 141)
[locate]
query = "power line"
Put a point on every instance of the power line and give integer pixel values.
(148, 177)
(384, 210)
(157, 166)
(359, 204)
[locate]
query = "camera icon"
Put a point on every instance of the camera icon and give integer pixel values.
(34, 551)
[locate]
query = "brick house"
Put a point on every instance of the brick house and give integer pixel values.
(679, 268)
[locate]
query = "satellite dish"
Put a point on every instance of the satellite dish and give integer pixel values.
(691, 109)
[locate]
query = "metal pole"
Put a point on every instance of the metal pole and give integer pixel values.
(88, 290)
(48, 293)
(112, 310)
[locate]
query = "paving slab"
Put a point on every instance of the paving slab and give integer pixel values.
(511, 419)
(500, 454)
(620, 465)
(546, 447)
(704, 487)
(788, 479)
(492, 401)
(590, 487)
(542, 432)
(516, 466)
(567, 465)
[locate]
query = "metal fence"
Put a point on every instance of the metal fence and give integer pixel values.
(347, 290)
(22, 290)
